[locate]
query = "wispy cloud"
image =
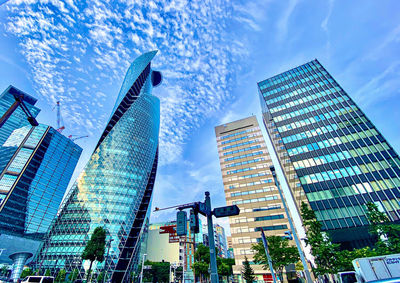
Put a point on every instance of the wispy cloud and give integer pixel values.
(283, 23)
(89, 45)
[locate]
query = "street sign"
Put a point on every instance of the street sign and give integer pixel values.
(203, 208)
(181, 223)
(226, 211)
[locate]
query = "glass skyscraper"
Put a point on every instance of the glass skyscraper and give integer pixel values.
(18, 118)
(114, 190)
(332, 155)
(37, 163)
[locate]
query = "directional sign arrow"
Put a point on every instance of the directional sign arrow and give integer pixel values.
(226, 211)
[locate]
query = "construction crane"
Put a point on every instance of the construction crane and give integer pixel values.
(76, 137)
(60, 122)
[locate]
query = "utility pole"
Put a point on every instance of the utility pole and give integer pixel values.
(203, 208)
(213, 258)
(292, 228)
(141, 273)
(268, 256)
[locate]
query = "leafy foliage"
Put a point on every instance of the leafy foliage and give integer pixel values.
(248, 272)
(388, 233)
(95, 247)
(282, 254)
(47, 273)
(74, 274)
(100, 277)
(26, 272)
(225, 266)
(159, 271)
(323, 250)
(61, 276)
(4, 269)
(202, 260)
(345, 257)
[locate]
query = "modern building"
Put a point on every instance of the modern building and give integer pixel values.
(18, 118)
(248, 183)
(114, 190)
(37, 163)
(161, 246)
(220, 241)
(332, 156)
(230, 247)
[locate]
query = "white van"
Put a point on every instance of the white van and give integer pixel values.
(38, 279)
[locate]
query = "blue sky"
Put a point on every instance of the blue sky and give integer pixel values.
(212, 54)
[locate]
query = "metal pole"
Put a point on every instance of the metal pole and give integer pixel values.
(213, 258)
(292, 228)
(268, 256)
(105, 260)
(9, 112)
(141, 273)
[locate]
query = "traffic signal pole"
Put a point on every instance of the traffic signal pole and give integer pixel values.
(213, 258)
(292, 228)
(204, 208)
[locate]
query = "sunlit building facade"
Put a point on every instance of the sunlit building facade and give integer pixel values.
(248, 183)
(114, 191)
(332, 155)
(38, 163)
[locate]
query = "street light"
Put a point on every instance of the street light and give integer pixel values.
(19, 101)
(141, 273)
(108, 252)
(296, 239)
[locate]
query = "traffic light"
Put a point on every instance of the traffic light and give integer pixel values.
(181, 223)
(194, 222)
(288, 235)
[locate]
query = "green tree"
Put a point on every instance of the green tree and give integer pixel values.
(100, 277)
(202, 261)
(61, 276)
(159, 271)
(47, 272)
(4, 269)
(179, 273)
(282, 254)
(26, 272)
(345, 257)
(225, 266)
(74, 275)
(388, 233)
(248, 272)
(95, 248)
(323, 250)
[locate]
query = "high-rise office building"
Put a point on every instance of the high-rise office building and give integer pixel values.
(114, 190)
(332, 155)
(248, 183)
(18, 118)
(220, 241)
(37, 163)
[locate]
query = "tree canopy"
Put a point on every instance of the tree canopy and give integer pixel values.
(248, 272)
(95, 247)
(282, 254)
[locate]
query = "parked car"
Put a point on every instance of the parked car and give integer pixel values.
(38, 279)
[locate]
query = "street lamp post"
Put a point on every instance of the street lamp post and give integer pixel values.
(19, 101)
(141, 273)
(108, 252)
(296, 239)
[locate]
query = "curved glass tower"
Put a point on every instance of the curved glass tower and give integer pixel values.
(114, 190)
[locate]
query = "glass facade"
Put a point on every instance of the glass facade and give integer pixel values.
(18, 118)
(34, 179)
(114, 190)
(331, 153)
